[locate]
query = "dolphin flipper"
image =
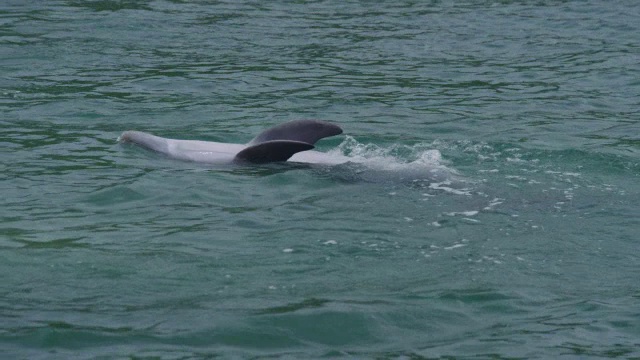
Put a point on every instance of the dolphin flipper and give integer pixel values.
(306, 131)
(271, 151)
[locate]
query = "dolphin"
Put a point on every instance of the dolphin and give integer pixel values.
(290, 141)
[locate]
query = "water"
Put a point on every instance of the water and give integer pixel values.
(490, 211)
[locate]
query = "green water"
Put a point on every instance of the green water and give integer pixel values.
(490, 210)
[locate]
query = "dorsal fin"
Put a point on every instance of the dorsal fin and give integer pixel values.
(271, 151)
(306, 131)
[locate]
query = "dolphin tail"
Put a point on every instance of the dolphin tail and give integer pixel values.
(306, 131)
(271, 151)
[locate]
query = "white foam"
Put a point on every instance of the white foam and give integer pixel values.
(515, 177)
(493, 203)
(454, 246)
(463, 213)
(443, 186)
(574, 174)
(391, 158)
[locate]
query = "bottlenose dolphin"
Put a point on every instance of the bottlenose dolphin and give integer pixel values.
(288, 141)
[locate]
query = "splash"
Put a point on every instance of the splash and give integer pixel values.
(394, 157)
(394, 162)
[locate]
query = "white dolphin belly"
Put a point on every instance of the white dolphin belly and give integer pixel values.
(317, 157)
(188, 150)
(203, 151)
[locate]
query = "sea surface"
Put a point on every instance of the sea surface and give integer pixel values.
(490, 209)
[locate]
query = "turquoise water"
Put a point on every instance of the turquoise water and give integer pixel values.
(490, 210)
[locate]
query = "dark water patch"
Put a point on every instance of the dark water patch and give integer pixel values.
(110, 5)
(305, 304)
(54, 244)
(113, 196)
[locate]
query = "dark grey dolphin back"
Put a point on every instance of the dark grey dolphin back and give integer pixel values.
(306, 131)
